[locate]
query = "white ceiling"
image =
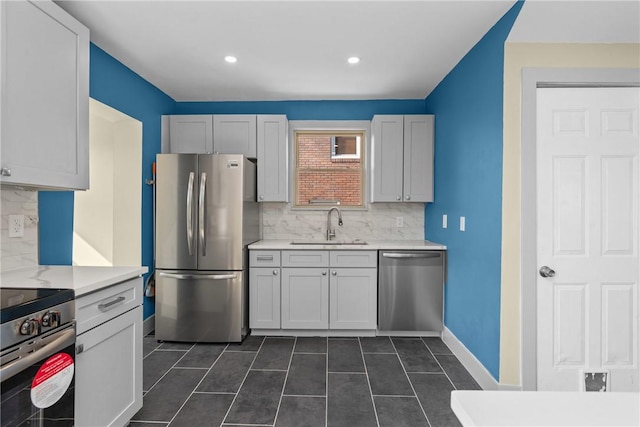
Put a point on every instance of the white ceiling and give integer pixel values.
(289, 50)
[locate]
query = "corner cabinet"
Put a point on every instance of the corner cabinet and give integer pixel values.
(402, 158)
(44, 97)
(109, 355)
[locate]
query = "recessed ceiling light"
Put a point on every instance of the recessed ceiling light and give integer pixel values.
(230, 59)
(353, 60)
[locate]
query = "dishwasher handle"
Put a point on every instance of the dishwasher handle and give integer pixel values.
(410, 255)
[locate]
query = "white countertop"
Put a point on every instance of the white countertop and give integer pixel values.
(373, 245)
(546, 408)
(82, 280)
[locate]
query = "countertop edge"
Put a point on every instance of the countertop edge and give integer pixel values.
(83, 280)
(374, 245)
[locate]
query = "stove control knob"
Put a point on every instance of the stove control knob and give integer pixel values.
(30, 327)
(51, 318)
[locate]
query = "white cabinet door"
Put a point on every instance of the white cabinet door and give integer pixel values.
(44, 96)
(402, 161)
(273, 166)
(191, 134)
(109, 372)
(234, 134)
(354, 298)
(305, 298)
(418, 159)
(387, 157)
(264, 298)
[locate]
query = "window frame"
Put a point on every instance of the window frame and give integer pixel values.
(333, 126)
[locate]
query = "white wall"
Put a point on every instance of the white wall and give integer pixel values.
(107, 217)
(16, 252)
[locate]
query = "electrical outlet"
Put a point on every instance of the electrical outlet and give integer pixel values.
(463, 224)
(399, 221)
(16, 225)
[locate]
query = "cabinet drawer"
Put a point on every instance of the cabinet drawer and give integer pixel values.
(305, 258)
(353, 258)
(98, 307)
(264, 258)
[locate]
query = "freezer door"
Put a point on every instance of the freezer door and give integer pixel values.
(176, 196)
(196, 306)
(220, 212)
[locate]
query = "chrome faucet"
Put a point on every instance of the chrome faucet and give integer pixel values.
(332, 233)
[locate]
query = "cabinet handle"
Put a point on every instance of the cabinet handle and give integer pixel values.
(324, 272)
(261, 197)
(79, 348)
(264, 257)
(109, 304)
(5, 172)
(335, 273)
(408, 197)
(275, 272)
(398, 198)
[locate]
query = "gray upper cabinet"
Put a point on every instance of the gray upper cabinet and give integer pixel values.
(402, 168)
(192, 134)
(272, 158)
(205, 133)
(234, 134)
(44, 97)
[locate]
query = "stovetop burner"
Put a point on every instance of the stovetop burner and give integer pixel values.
(17, 302)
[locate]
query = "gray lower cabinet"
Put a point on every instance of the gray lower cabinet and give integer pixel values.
(305, 298)
(313, 290)
(108, 387)
(264, 297)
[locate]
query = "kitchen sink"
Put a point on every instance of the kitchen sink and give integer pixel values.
(328, 242)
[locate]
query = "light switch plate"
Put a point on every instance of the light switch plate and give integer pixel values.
(444, 221)
(462, 223)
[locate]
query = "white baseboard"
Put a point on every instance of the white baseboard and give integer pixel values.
(148, 325)
(473, 365)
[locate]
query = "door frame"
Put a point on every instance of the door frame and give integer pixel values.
(532, 79)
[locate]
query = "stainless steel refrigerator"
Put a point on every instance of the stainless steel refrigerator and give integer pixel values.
(206, 215)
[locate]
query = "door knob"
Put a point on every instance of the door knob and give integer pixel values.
(546, 271)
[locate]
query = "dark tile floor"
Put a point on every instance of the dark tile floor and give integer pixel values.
(286, 381)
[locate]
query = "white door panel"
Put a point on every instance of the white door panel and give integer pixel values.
(587, 225)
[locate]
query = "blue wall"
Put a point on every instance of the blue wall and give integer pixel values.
(113, 84)
(307, 110)
(468, 182)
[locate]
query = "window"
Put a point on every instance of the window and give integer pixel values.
(329, 168)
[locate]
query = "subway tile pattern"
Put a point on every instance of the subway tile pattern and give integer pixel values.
(301, 381)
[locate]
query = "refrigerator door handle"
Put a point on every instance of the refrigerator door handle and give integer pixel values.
(198, 276)
(201, 216)
(190, 213)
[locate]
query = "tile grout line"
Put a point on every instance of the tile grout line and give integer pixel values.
(410, 383)
(284, 384)
(439, 364)
(243, 380)
(326, 386)
(165, 374)
(366, 371)
(199, 382)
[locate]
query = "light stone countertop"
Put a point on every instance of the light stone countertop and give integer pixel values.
(82, 280)
(372, 245)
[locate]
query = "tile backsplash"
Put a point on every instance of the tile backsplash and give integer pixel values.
(279, 221)
(16, 252)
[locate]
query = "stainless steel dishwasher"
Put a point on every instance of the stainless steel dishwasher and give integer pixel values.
(410, 290)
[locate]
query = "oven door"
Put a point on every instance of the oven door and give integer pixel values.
(38, 381)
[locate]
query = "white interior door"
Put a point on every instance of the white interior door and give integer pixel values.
(587, 233)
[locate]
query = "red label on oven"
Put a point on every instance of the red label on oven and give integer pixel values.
(52, 380)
